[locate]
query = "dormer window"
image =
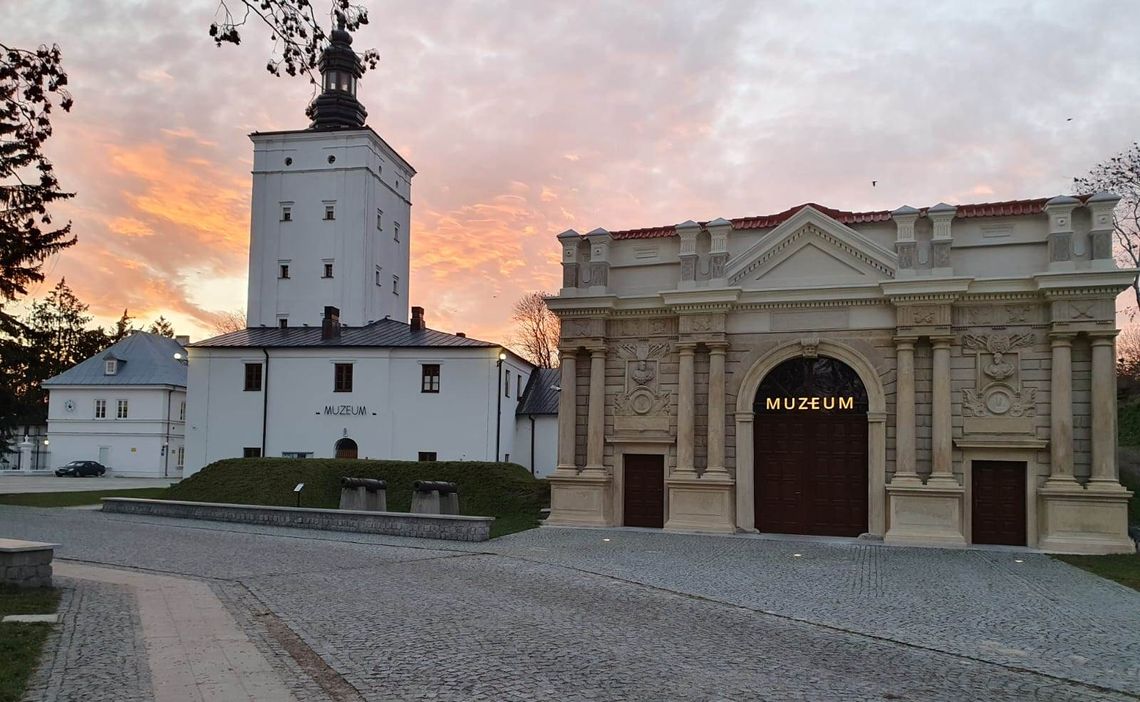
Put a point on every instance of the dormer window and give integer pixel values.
(110, 366)
(330, 211)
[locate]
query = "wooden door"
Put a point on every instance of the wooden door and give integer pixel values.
(998, 502)
(644, 490)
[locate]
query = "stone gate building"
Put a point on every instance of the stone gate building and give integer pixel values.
(940, 376)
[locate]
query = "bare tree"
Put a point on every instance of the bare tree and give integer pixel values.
(1121, 175)
(1128, 361)
(232, 321)
(536, 335)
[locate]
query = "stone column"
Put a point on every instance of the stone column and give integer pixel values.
(716, 467)
(1103, 412)
(685, 408)
(595, 418)
(905, 473)
(567, 414)
(1061, 412)
(942, 470)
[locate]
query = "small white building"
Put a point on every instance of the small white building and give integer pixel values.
(387, 390)
(124, 407)
(536, 423)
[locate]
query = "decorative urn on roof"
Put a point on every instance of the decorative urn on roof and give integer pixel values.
(337, 107)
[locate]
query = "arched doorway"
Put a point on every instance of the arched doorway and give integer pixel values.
(345, 448)
(811, 449)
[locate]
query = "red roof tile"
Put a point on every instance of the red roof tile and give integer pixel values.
(985, 209)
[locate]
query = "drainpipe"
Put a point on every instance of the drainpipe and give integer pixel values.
(499, 401)
(264, 399)
(532, 446)
(166, 438)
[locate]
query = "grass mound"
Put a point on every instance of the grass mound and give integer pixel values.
(506, 491)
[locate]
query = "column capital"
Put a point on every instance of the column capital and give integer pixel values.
(1061, 338)
(942, 342)
(1103, 338)
(596, 350)
(905, 343)
(746, 417)
(687, 348)
(717, 347)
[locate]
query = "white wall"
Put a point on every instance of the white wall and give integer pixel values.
(545, 443)
(366, 175)
(132, 446)
(458, 423)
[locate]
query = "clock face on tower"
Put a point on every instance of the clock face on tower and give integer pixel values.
(69, 405)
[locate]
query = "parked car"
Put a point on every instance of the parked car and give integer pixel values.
(81, 469)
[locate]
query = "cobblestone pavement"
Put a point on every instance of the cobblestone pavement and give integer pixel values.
(563, 614)
(96, 653)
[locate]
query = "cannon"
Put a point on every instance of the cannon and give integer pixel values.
(435, 497)
(366, 494)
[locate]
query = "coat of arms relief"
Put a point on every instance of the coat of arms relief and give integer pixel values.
(997, 390)
(642, 396)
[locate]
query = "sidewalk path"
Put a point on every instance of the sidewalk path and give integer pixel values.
(195, 650)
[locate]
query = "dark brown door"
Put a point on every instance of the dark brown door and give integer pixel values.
(998, 507)
(644, 490)
(811, 473)
(345, 448)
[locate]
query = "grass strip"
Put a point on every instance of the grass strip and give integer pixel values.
(22, 644)
(77, 498)
(1123, 568)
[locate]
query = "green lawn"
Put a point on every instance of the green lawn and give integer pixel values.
(21, 644)
(77, 498)
(1124, 569)
(506, 491)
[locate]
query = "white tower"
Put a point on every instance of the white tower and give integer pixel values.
(331, 212)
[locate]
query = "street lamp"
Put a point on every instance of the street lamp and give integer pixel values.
(499, 400)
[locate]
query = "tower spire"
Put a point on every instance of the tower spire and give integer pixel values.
(337, 107)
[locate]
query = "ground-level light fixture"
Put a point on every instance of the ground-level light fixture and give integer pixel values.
(797, 555)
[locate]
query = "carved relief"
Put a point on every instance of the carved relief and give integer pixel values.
(923, 315)
(702, 323)
(642, 397)
(997, 390)
(1102, 310)
(578, 328)
(997, 315)
(641, 327)
(809, 346)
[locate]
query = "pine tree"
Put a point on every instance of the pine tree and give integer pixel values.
(162, 326)
(122, 328)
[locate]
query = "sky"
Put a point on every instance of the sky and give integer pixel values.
(525, 118)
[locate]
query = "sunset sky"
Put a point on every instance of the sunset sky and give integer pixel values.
(527, 117)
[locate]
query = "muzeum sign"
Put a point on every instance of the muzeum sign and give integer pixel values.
(967, 328)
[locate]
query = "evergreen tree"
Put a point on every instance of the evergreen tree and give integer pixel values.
(162, 326)
(122, 328)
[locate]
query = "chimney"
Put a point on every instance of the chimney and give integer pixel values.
(330, 326)
(417, 319)
(183, 340)
(461, 335)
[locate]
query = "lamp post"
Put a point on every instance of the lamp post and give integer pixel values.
(499, 400)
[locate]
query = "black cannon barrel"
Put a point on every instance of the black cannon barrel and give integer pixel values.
(442, 487)
(369, 484)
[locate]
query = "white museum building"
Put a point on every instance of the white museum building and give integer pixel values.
(124, 407)
(330, 365)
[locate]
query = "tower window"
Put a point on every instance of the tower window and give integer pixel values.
(283, 322)
(507, 385)
(379, 219)
(252, 377)
(427, 456)
(395, 285)
(379, 281)
(396, 231)
(328, 270)
(342, 377)
(121, 409)
(330, 211)
(429, 378)
(283, 270)
(286, 213)
(182, 411)
(100, 409)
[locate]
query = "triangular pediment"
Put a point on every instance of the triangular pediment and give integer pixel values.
(811, 249)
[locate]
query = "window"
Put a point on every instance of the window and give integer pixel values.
(379, 219)
(507, 385)
(396, 231)
(395, 285)
(283, 270)
(518, 387)
(121, 409)
(429, 379)
(182, 411)
(252, 377)
(100, 409)
(283, 322)
(251, 452)
(427, 456)
(328, 270)
(330, 211)
(379, 280)
(296, 454)
(342, 377)
(110, 366)
(286, 213)
(181, 455)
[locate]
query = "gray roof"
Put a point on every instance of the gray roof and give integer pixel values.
(385, 333)
(144, 359)
(540, 397)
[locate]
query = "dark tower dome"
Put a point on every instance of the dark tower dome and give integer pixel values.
(337, 107)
